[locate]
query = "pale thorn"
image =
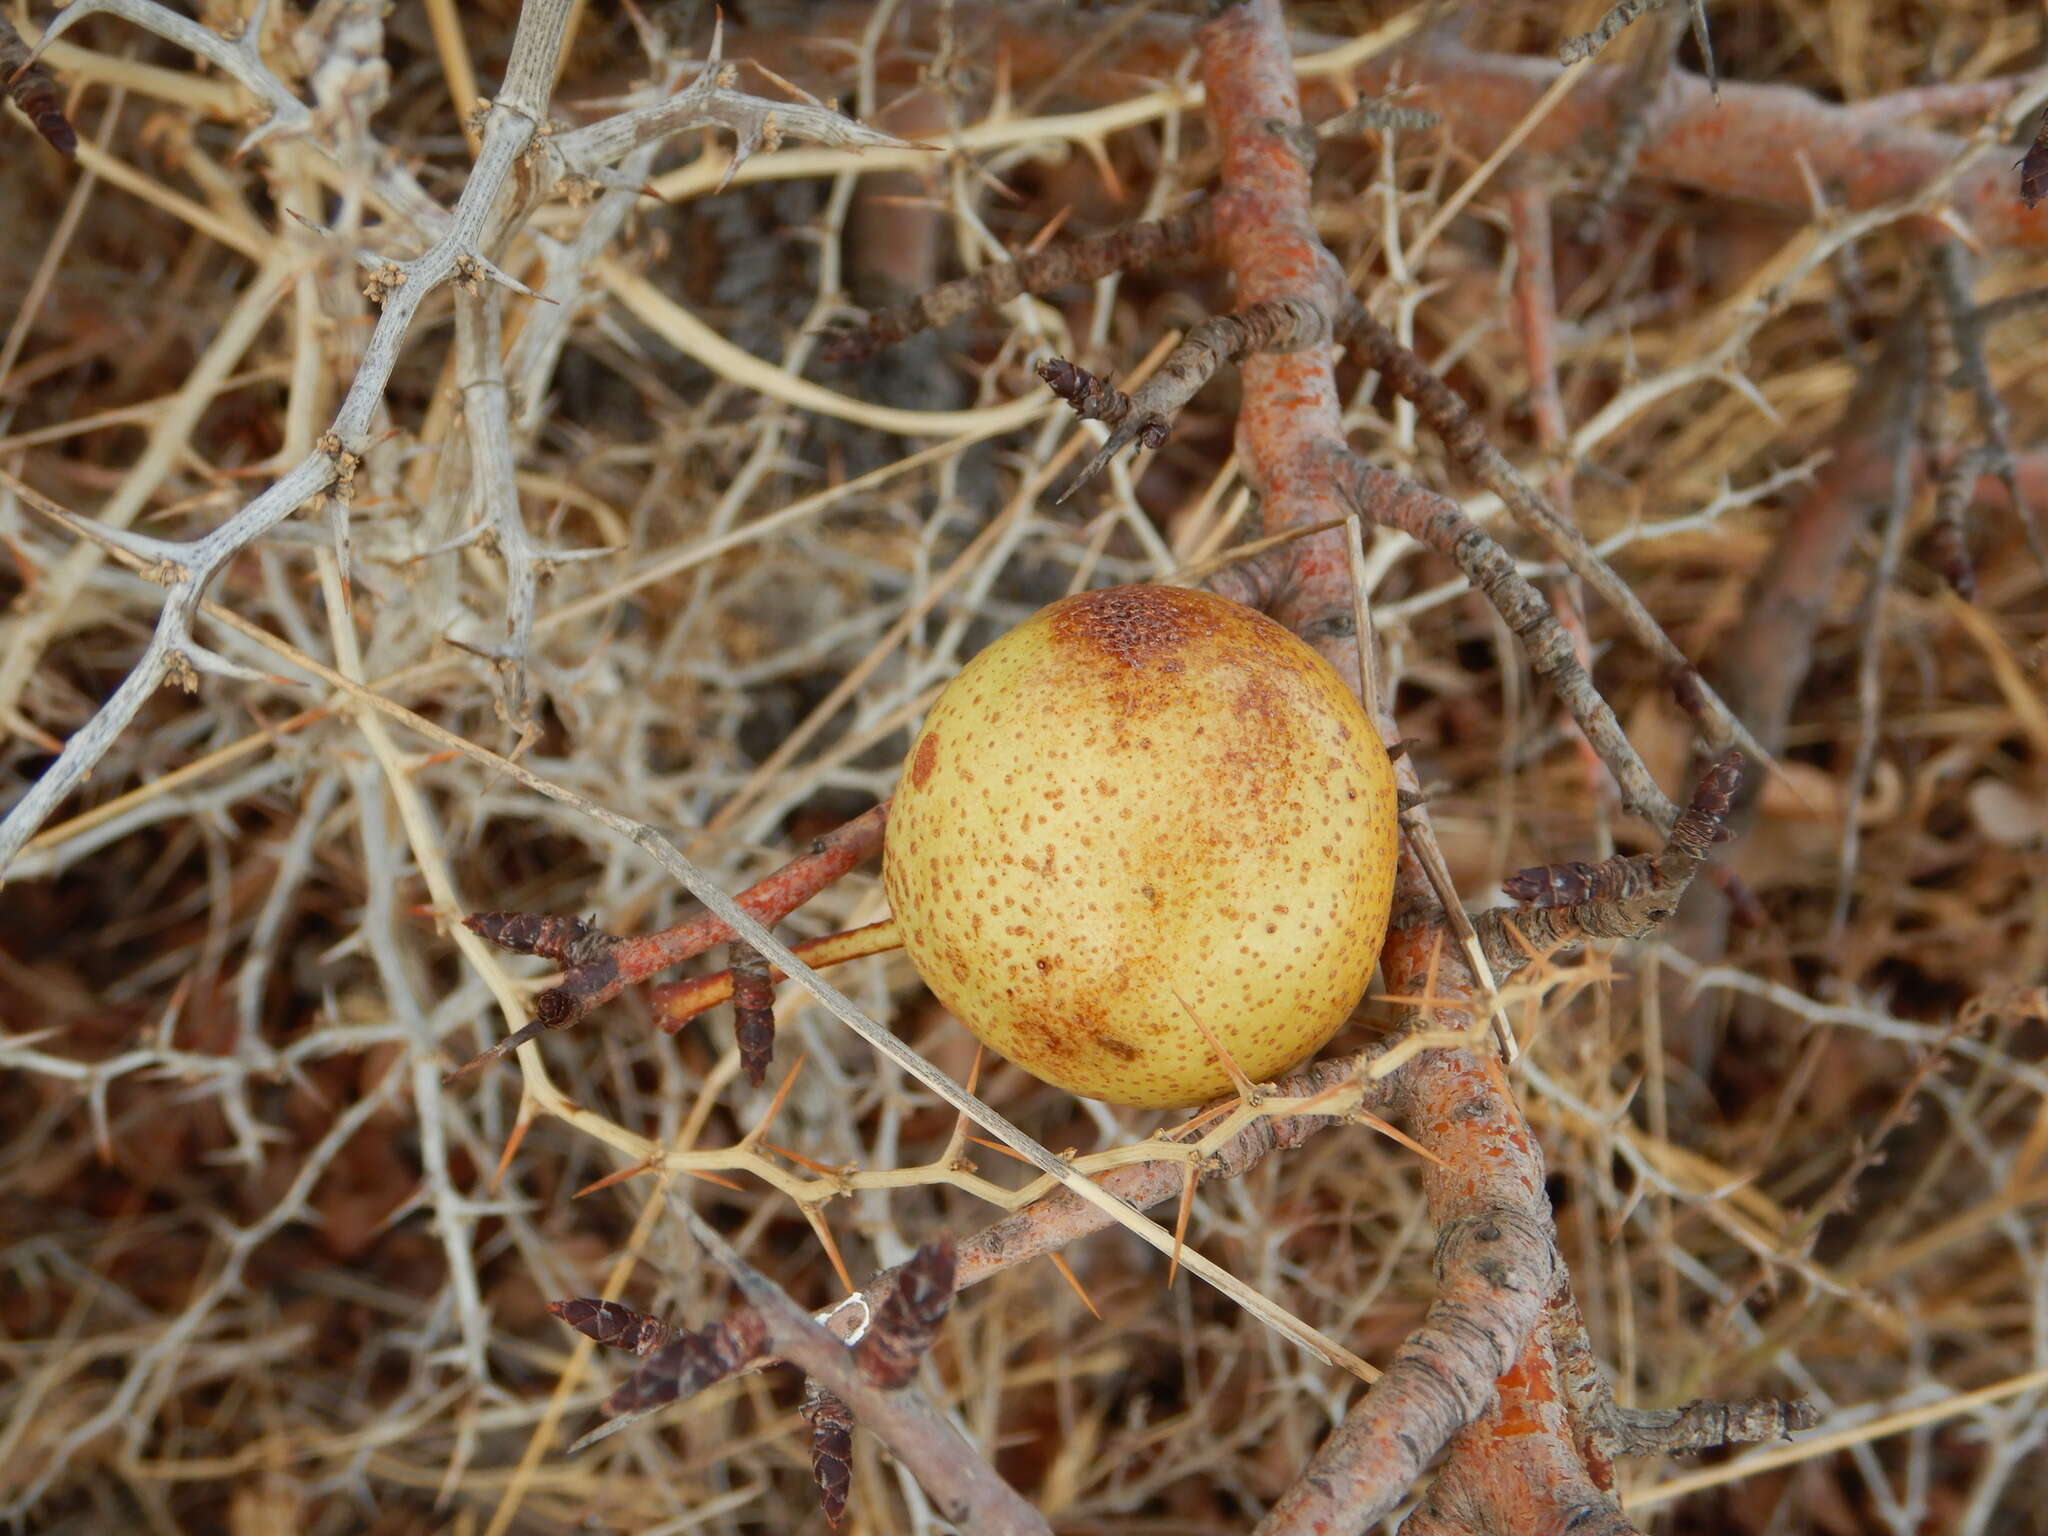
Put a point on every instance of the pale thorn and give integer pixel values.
(212, 662)
(505, 279)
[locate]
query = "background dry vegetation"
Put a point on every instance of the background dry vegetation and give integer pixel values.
(260, 1272)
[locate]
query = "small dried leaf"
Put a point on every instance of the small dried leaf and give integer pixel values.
(610, 1323)
(908, 1318)
(34, 92)
(753, 1008)
(691, 1362)
(2034, 167)
(831, 1424)
(571, 940)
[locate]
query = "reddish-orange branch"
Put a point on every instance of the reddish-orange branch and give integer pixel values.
(770, 899)
(1760, 144)
(600, 966)
(1764, 144)
(1264, 225)
(1497, 1260)
(678, 1002)
(1517, 1467)
(1749, 146)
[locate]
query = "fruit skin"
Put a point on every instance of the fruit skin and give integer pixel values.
(1141, 802)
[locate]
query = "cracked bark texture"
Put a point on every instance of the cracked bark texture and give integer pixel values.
(1496, 1263)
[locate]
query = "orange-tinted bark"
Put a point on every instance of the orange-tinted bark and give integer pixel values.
(1497, 1259)
(1518, 1467)
(1290, 416)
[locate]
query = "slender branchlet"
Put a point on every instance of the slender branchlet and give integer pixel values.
(1951, 276)
(1955, 470)
(1377, 115)
(1624, 897)
(1607, 1431)
(1438, 523)
(1131, 249)
(1618, 17)
(1146, 417)
(600, 965)
(1635, 103)
(1465, 440)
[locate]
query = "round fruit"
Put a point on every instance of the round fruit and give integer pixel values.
(1142, 808)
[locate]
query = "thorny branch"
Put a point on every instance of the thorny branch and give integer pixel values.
(459, 251)
(1635, 121)
(1128, 249)
(1625, 897)
(1291, 324)
(1277, 325)
(1322, 1096)
(1609, 1431)
(187, 569)
(1361, 1450)
(586, 153)
(1465, 440)
(1763, 144)
(1436, 522)
(1497, 1258)
(1994, 423)
(967, 1491)
(601, 965)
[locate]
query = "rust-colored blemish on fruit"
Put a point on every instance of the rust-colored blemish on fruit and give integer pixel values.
(1138, 626)
(927, 758)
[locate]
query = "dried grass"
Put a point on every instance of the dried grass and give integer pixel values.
(258, 1272)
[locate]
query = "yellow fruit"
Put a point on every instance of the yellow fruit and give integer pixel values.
(1139, 805)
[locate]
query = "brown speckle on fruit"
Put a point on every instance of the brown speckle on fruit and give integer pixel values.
(927, 758)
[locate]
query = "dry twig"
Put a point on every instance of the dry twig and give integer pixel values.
(31, 90)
